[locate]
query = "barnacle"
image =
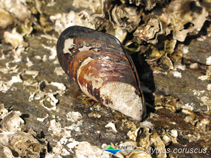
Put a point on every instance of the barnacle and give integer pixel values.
(125, 17)
(149, 31)
(184, 17)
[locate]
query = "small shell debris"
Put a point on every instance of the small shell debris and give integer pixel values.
(204, 77)
(3, 111)
(208, 62)
(40, 94)
(185, 50)
(42, 119)
(177, 74)
(5, 18)
(112, 126)
(194, 66)
(29, 63)
(22, 143)
(73, 116)
(14, 38)
(59, 71)
(12, 122)
(85, 149)
(57, 129)
(209, 87)
(65, 20)
(53, 51)
(5, 86)
(18, 8)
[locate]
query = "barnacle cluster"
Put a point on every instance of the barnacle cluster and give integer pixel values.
(13, 139)
(154, 22)
(146, 19)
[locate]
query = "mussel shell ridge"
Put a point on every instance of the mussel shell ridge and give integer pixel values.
(98, 63)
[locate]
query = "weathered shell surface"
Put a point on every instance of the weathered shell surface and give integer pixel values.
(125, 17)
(102, 69)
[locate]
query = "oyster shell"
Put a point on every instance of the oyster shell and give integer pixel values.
(183, 17)
(17, 7)
(126, 17)
(148, 31)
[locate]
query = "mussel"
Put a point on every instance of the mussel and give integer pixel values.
(103, 70)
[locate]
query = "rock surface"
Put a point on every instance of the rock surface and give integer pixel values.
(46, 115)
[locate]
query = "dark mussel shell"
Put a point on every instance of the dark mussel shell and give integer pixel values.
(103, 70)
